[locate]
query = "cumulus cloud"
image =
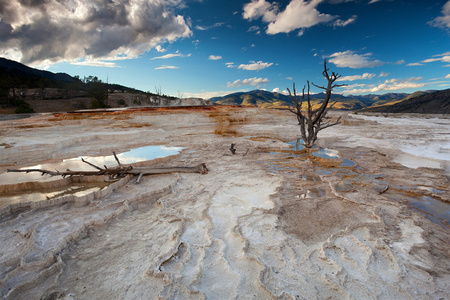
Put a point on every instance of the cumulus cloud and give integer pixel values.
(249, 81)
(388, 85)
(260, 8)
(160, 49)
(447, 76)
(255, 66)
(357, 77)
(215, 57)
(297, 14)
(443, 21)
(55, 30)
(349, 59)
(277, 90)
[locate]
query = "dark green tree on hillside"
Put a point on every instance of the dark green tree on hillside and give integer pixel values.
(314, 120)
(97, 90)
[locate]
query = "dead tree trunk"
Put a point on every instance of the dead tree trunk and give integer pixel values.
(311, 122)
(119, 171)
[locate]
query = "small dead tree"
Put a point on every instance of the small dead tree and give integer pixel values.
(314, 120)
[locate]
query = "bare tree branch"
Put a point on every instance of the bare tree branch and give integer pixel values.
(92, 165)
(117, 159)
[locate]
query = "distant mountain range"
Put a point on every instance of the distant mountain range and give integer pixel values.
(421, 101)
(267, 99)
(437, 102)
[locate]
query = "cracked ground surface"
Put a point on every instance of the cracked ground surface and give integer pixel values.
(269, 222)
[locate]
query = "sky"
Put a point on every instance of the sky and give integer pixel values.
(208, 48)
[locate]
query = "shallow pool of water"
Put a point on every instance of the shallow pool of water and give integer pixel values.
(433, 209)
(48, 194)
(317, 152)
(17, 180)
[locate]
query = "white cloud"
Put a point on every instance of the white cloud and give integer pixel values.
(171, 55)
(230, 65)
(277, 90)
(298, 14)
(54, 31)
(166, 67)
(250, 81)
(260, 8)
(442, 58)
(255, 66)
(383, 74)
(388, 85)
(254, 28)
(160, 49)
(443, 21)
(447, 76)
(373, 1)
(341, 23)
(96, 63)
(414, 64)
(203, 28)
(357, 77)
(400, 62)
(199, 27)
(215, 57)
(349, 59)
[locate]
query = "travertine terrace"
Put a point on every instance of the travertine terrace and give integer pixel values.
(365, 219)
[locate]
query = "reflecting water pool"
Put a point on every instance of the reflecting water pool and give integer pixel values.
(75, 164)
(48, 194)
(33, 187)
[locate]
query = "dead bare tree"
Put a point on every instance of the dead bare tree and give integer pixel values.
(312, 121)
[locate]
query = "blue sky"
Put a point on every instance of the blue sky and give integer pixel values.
(206, 48)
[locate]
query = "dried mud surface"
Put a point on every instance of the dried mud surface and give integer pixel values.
(269, 222)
